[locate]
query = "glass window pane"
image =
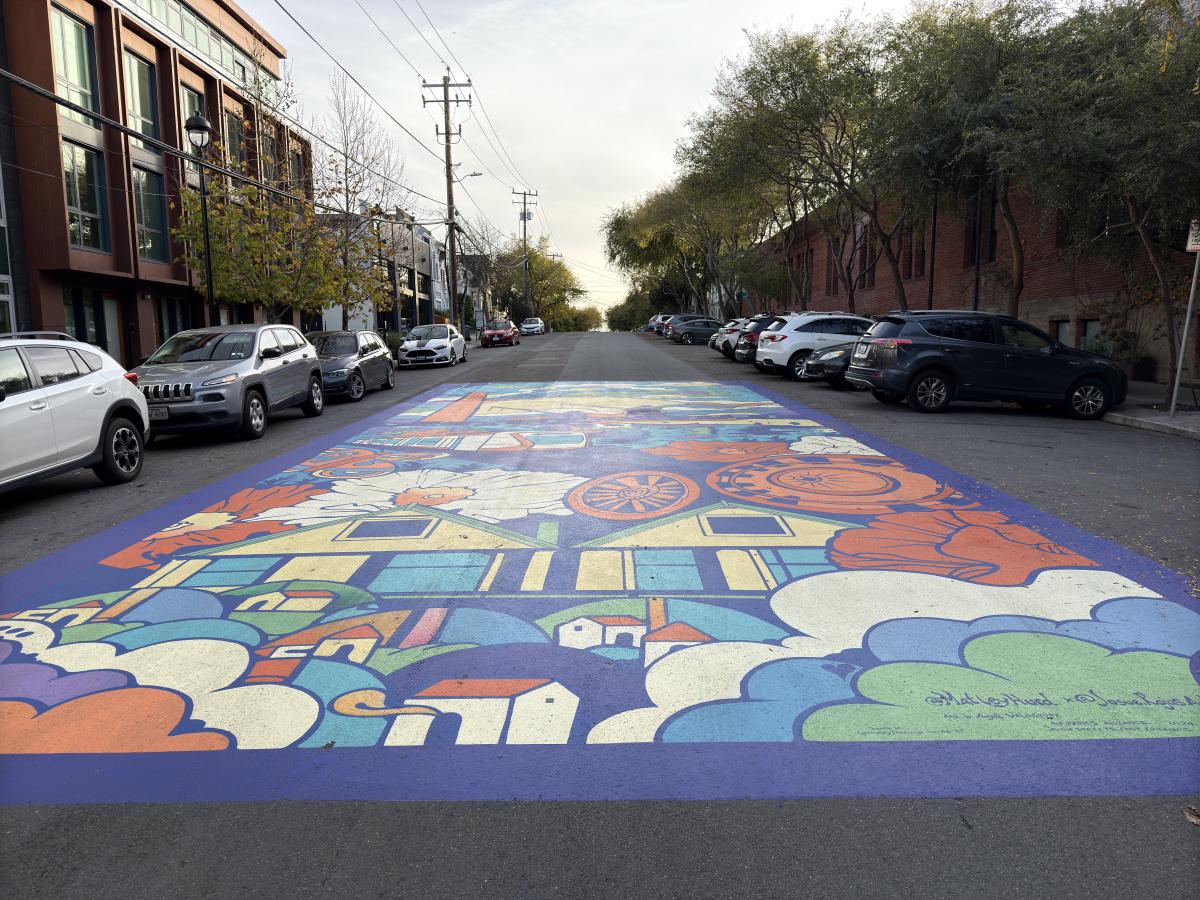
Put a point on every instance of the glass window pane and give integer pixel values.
(151, 218)
(140, 96)
(13, 376)
(7, 319)
(73, 63)
(52, 365)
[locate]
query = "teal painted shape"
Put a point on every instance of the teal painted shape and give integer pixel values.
(723, 624)
(421, 573)
(620, 653)
(483, 626)
(329, 680)
(350, 611)
(242, 564)
(187, 629)
(667, 570)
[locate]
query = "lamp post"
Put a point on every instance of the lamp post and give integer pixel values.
(199, 132)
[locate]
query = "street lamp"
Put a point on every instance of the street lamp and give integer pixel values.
(471, 175)
(199, 132)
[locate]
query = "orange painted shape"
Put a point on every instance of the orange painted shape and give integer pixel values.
(678, 631)
(656, 608)
(460, 410)
(482, 687)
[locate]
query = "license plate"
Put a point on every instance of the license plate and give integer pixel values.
(158, 413)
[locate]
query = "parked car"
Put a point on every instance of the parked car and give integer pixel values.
(747, 341)
(658, 322)
(502, 331)
(727, 337)
(672, 322)
(433, 345)
(533, 325)
(65, 405)
(352, 362)
(829, 364)
(230, 377)
(694, 330)
(785, 345)
(933, 358)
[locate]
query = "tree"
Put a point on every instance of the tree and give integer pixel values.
(553, 287)
(359, 174)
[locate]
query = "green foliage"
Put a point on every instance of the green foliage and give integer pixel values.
(553, 287)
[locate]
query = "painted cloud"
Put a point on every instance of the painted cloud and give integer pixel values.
(1020, 686)
(833, 611)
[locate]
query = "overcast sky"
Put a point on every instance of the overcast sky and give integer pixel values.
(588, 98)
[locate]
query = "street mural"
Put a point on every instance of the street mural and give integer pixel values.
(603, 566)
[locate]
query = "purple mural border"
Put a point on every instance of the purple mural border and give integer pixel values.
(1128, 767)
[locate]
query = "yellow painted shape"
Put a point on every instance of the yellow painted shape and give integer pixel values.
(741, 574)
(689, 531)
(763, 569)
(320, 568)
(172, 573)
(486, 584)
(304, 604)
(630, 576)
(600, 570)
(338, 537)
(535, 574)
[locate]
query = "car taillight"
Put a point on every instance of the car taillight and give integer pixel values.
(771, 338)
(131, 377)
(890, 343)
(752, 337)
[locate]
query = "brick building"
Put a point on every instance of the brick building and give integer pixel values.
(1073, 300)
(87, 208)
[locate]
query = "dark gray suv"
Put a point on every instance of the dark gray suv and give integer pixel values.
(932, 358)
(230, 377)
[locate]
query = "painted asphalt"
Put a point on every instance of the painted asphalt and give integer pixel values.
(601, 590)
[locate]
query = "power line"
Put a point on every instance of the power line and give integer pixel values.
(461, 67)
(422, 35)
(388, 39)
(347, 73)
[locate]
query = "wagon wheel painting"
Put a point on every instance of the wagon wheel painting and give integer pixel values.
(823, 485)
(633, 495)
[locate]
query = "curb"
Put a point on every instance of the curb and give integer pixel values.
(1161, 426)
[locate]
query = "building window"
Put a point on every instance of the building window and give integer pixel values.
(235, 149)
(84, 184)
(296, 169)
(150, 205)
(1089, 333)
(174, 316)
(191, 103)
(866, 261)
(983, 211)
(74, 64)
(1061, 329)
(141, 96)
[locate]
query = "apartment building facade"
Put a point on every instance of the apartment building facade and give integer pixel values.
(97, 207)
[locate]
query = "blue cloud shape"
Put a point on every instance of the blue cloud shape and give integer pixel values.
(1128, 623)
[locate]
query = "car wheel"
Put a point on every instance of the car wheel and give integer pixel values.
(727, 353)
(389, 380)
(453, 357)
(464, 356)
(254, 416)
(930, 392)
(885, 397)
(1088, 399)
(797, 368)
(687, 339)
(314, 405)
(358, 387)
(124, 452)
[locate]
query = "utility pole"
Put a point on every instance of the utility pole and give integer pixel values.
(526, 215)
(451, 238)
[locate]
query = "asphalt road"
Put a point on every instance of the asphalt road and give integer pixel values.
(1137, 489)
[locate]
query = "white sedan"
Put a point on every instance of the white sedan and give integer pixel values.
(432, 345)
(65, 405)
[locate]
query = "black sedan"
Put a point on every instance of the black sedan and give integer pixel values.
(693, 330)
(830, 364)
(352, 361)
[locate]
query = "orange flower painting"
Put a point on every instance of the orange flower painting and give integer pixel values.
(972, 545)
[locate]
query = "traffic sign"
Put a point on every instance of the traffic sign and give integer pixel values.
(1193, 244)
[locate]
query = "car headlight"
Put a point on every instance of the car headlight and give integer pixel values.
(224, 379)
(834, 355)
(337, 373)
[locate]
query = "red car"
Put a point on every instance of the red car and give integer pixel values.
(502, 331)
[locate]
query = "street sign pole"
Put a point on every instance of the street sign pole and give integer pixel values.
(1193, 246)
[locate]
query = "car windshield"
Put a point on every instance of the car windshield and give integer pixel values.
(531, 321)
(498, 326)
(335, 345)
(886, 328)
(775, 325)
(427, 332)
(756, 325)
(202, 346)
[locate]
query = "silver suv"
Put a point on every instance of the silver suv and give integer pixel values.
(230, 377)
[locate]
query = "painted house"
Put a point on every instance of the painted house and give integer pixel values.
(677, 635)
(490, 711)
(602, 631)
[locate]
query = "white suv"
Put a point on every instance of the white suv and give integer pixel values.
(66, 405)
(785, 344)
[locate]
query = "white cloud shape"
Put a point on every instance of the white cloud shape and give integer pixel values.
(685, 678)
(259, 716)
(835, 610)
(830, 445)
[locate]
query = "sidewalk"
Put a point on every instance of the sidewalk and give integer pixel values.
(1135, 411)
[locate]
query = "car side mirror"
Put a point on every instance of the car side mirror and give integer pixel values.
(270, 353)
